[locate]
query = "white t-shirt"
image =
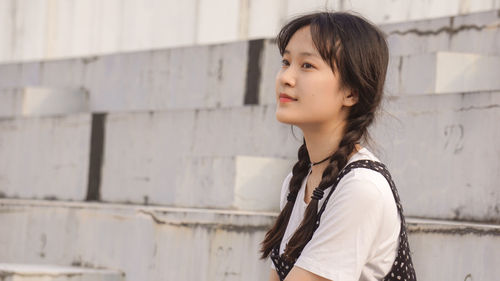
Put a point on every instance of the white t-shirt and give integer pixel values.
(357, 238)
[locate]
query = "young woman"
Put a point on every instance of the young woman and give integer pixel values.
(340, 218)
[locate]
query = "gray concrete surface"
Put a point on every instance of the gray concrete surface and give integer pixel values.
(152, 243)
(59, 29)
(36, 101)
(47, 272)
(147, 243)
(469, 33)
(149, 159)
(45, 157)
(443, 152)
(162, 79)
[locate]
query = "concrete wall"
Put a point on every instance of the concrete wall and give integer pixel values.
(168, 141)
(442, 151)
(162, 79)
(157, 243)
(44, 272)
(197, 158)
(195, 127)
(153, 159)
(147, 243)
(45, 158)
(37, 101)
(33, 30)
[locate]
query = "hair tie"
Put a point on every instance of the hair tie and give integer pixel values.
(291, 197)
(317, 194)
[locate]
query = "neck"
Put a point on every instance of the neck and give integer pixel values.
(322, 141)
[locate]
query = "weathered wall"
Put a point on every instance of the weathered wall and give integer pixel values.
(193, 128)
(32, 30)
(158, 243)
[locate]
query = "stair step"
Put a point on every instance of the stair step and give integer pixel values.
(49, 272)
(145, 163)
(145, 80)
(45, 157)
(442, 73)
(231, 23)
(40, 101)
(218, 242)
(442, 152)
(463, 250)
(163, 79)
(471, 33)
(241, 182)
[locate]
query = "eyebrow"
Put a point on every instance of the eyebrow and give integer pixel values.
(304, 54)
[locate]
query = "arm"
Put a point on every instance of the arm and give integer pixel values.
(273, 276)
(299, 274)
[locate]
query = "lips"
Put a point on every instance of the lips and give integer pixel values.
(283, 95)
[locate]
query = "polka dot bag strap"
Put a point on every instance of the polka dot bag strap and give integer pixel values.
(402, 268)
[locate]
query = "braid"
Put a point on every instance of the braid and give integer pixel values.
(337, 161)
(360, 53)
(275, 234)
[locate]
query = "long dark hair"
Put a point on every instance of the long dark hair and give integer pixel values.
(359, 51)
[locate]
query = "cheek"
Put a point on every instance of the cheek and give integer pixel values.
(277, 82)
(324, 92)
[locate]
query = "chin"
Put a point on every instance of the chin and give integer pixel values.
(285, 118)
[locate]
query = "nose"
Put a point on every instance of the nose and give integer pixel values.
(286, 77)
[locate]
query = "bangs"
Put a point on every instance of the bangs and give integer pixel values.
(325, 33)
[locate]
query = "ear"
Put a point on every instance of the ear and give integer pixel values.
(350, 98)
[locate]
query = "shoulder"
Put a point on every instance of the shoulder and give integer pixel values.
(366, 188)
(365, 180)
(368, 192)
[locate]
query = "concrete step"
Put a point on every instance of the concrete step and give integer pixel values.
(470, 33)
(442, 151)
(416, 74)
(37, 101)
(444, 126)
(241, 182)
(152, 172)
(160, 24)
(147, 80)
(48, 272)
(163, 79)
(442, 73)
(202, 166)
(463, 250)
(149, 158)
(221, 244)
(45, 157)
(147, 243)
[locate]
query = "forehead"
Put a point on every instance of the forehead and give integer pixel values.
(301, 43)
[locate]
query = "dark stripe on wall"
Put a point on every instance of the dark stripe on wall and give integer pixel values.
(255, 49)
(96, 156)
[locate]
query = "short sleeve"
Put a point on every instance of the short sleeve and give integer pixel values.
(284, 190)
(348, 227)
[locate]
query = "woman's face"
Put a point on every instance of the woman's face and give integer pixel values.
(304, 76)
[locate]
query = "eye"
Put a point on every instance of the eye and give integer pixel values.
(307, 65)
(284, 62)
